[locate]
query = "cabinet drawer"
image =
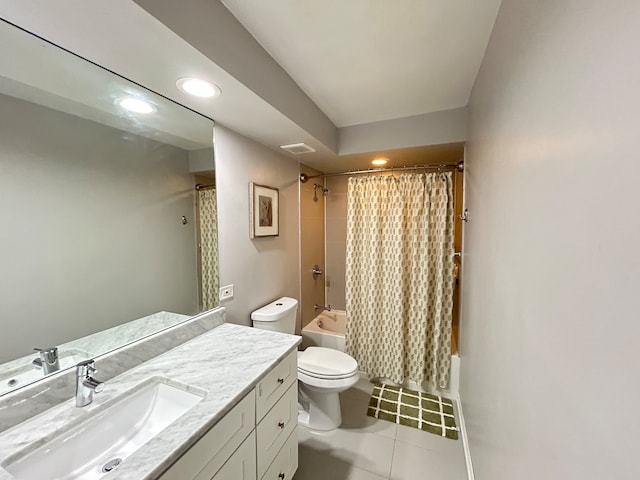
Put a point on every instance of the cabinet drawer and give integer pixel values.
(271, 388)
(285, 464)
(206, 457)
(242, 464)
(274, 429)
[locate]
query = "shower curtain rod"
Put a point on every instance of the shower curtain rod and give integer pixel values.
(200, 186)
(460, 166)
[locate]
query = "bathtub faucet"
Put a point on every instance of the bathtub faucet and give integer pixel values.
(322, 307)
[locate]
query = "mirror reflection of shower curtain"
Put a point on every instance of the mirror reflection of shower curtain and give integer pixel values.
(399, 276)
(207, 208)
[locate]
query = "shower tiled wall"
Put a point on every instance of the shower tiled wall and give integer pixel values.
(311, 246)
(336, 225)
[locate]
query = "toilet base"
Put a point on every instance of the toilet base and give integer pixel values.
(321, 411)
(303, 416)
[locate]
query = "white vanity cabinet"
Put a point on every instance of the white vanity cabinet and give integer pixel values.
(242, 464)
(217, 446)
(274, 431)
(255, 440)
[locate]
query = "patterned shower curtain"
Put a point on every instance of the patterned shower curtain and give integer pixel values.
(399, 276)
(207, 207)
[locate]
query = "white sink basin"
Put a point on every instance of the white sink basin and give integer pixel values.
(97, 445)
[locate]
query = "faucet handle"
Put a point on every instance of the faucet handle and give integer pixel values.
(86, 367)
(95, 385)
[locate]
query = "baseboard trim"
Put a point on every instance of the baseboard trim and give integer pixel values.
(465, 440)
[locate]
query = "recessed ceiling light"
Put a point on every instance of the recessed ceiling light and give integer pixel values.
(197, 87)
(379, 161)
(136, 105)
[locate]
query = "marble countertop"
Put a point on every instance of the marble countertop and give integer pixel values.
(226, 363)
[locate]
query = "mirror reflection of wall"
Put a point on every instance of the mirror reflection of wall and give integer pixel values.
(206, 227)
(99, 205)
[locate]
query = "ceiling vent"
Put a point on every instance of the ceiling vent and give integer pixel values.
(298, 148)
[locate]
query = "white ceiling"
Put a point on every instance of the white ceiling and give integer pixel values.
(358, 60)
(362, 61)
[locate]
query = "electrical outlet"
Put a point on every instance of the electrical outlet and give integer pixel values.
(226, 292)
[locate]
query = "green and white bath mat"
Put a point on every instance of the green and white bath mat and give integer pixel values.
(420, 410)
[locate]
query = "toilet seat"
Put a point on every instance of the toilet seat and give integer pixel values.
(326, 364)
(327, 385)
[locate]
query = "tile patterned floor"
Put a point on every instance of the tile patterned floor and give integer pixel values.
(365, 448)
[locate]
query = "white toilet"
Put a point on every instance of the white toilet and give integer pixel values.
(322, 372)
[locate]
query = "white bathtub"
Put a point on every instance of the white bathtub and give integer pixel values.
(326, 330)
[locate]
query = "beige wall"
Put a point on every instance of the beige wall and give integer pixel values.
(311, 245)
(436, 128)
(91, 234)
(261, 269)
(336, 244)
(550, 334)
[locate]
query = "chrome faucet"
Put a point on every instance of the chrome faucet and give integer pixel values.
(322, 307)
(48, 360)
(86, 384)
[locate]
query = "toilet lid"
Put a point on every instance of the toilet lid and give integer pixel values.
(323, 362)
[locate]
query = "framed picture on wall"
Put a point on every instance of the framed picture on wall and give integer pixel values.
(263, 208)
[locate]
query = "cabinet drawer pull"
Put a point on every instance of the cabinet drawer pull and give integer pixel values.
(280, 381)
(281, 424)
(281, 476)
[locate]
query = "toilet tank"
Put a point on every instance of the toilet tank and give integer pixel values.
(278, 316)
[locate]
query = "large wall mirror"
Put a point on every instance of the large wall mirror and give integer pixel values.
(108, 215)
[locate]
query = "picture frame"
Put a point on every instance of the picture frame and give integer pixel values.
(263, 211)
